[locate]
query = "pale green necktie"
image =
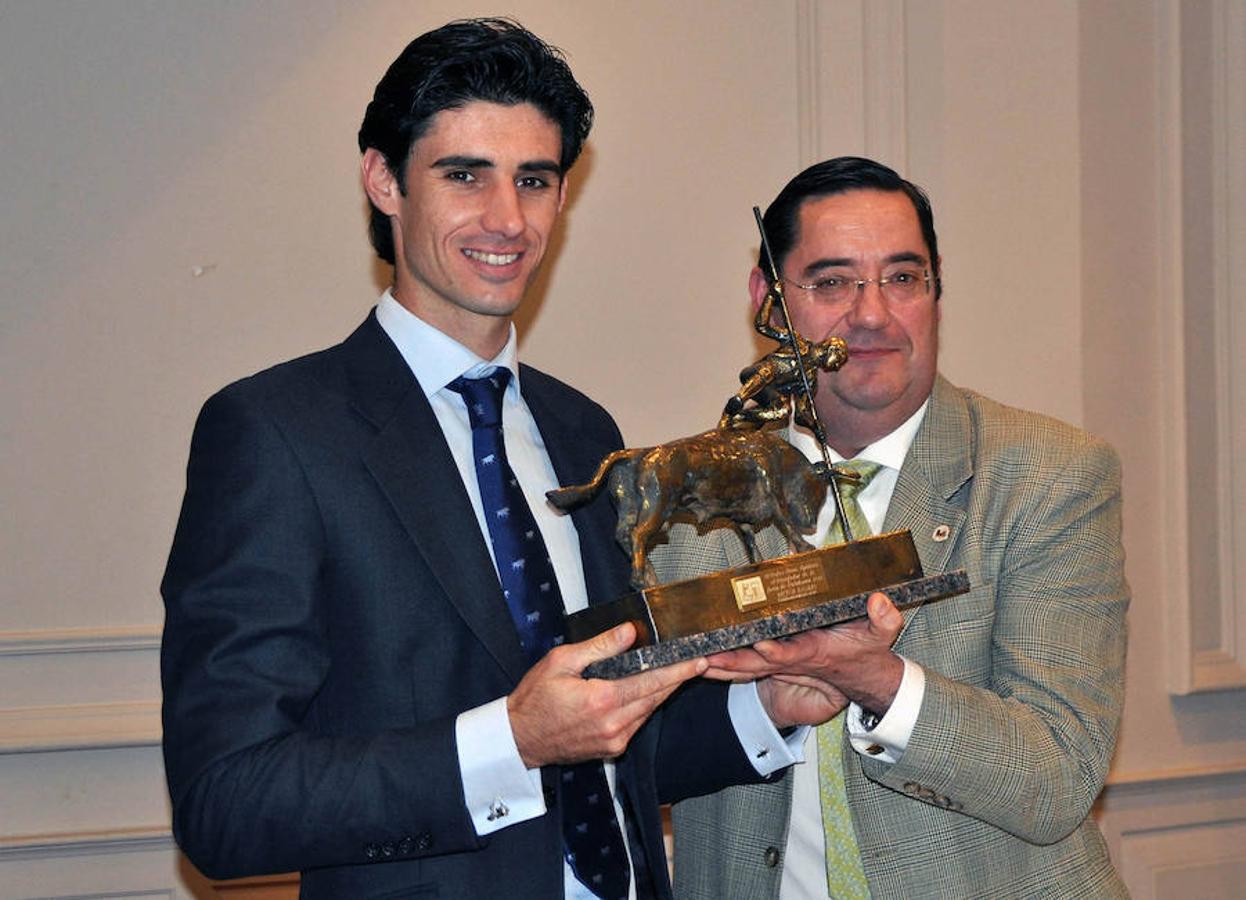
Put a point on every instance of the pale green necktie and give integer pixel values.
(845, 878)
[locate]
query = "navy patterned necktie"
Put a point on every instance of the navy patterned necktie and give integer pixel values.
(592, 840)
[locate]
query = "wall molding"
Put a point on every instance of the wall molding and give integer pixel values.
(86, 843)
(1192, 859)
(85, 726)
(1177, 832)
(124, 857)
(1170, 277)
(79, 640)
(1228, 210)
(1144, 781)
(851, 90)
(886, 88)
(31, 660)
(809, 95)
(1193, 668)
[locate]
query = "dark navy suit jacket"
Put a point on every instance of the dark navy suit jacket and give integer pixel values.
(332, 607)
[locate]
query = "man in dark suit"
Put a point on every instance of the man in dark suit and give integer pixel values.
(973, 749)
(357, 665)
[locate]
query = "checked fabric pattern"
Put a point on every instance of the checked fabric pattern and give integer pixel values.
(845, 879)
(592, 839)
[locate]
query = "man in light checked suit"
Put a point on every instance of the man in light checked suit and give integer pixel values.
(973, 749)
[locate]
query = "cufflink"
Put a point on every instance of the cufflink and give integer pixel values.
(497, 810)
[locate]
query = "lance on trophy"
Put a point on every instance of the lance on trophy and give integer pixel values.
(744, 475)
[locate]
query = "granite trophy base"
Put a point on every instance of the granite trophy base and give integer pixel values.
(769, 599)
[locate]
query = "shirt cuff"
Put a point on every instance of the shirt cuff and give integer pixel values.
(889, 738)
(767, 750)
(499, 789)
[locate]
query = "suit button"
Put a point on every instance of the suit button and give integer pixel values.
(912, 787)
(771, 857)
(873, 749)
(372, 851)
(423, 841)
(405, 846)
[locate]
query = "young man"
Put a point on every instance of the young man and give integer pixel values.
(363, 664)
(968, 760)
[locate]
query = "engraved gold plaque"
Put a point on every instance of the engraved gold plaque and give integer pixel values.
(764, 600)
(768, 599)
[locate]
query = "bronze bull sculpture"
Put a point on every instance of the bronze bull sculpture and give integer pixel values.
(752, 478)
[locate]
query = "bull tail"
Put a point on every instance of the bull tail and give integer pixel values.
(566, 498)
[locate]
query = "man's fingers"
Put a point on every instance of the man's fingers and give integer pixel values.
(637, 696)
(609, 643)
(782, 652)
(810, 681)
(741, 660)
(884, 618)
(657, 681)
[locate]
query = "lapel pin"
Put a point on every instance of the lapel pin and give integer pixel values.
(940, 534)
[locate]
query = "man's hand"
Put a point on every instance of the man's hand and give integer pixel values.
(559, 717)
(808, 677)
(799, 699)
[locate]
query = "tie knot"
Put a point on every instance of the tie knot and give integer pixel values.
(483, 397)
(864, 469)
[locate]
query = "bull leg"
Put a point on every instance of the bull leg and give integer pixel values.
(643, 574)
(745, 531)
(632, 539)
(649, 519)
(624, 535)
(651, 575)
(794, 537)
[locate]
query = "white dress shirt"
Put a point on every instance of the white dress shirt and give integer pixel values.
(804, 861)
(499, 789)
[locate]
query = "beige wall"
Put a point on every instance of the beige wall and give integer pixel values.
(181, 207)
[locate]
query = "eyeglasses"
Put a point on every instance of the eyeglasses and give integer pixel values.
(842, 288)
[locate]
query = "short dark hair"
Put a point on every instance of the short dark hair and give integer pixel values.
(838, 176)
(495, 60)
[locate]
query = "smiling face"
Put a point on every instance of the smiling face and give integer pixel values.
(892, 347)
(483, 190)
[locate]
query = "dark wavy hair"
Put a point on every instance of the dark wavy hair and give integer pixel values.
(838, 176)
(495, 60)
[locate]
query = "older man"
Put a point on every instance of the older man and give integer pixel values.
(970, 752)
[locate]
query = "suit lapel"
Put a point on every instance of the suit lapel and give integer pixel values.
(575, 455)
(938, 464)
(413, 467)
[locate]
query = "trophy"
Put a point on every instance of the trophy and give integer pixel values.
(748, 477)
